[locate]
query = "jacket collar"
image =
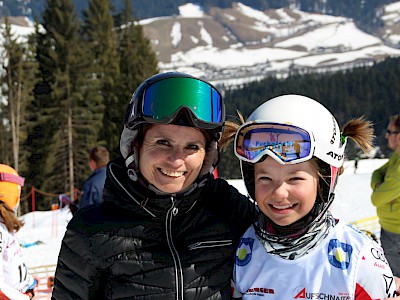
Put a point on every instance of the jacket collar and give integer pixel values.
(125, 195)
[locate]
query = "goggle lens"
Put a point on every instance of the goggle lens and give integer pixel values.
(286, 143)
(163, 98)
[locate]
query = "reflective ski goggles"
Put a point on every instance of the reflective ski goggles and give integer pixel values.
(163, 99)
(287, 144)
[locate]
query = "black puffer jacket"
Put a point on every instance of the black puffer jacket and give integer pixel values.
(134, 246)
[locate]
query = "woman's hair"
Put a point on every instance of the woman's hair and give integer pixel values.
(13, 224)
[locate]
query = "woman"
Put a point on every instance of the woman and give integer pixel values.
(15, 282)
(294, 235)
(166, 229)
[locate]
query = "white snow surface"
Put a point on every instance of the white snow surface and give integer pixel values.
(191, 10)
(352, 203)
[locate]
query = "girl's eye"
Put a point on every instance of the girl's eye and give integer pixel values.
(263, 178)
(296, 178)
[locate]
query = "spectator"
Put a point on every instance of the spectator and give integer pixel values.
(385, 183)
(15, 281)
(356, 161)
(93, 186)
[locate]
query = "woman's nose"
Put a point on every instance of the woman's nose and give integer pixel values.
(177, 155)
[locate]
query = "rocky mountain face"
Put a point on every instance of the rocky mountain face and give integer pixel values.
(240, 42)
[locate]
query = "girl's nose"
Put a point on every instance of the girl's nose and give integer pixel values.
(280, 191)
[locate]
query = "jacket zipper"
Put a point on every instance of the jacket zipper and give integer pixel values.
(210, 244)
(173, 211)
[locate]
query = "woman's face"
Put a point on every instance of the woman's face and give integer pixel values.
(285, 193)
(171, 156)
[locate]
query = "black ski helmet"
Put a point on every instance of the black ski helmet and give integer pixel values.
(173, 98)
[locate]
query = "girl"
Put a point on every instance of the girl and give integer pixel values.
(15, 282)
(291, 152)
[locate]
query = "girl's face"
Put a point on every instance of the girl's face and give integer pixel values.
(285, 193)
(171, 156)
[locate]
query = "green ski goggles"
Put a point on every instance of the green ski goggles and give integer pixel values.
(163, 100)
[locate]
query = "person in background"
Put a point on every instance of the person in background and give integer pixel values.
(295, 247)
(15, 281)
(93, 186)
(385, 184)
(356, 161)
(167, 229)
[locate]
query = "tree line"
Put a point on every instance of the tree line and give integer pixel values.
(66, 90)
(370, 91)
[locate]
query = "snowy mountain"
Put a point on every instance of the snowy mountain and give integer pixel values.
(240, 44)
(243, 43)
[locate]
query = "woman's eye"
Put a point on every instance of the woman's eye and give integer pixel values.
(163, 142)
(193, 147)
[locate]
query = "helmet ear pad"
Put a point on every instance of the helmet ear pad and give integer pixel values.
(248, 178)
(324, 182)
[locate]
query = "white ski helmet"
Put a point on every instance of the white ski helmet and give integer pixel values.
(298, 119)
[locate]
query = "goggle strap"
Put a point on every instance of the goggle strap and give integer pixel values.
(12, 178)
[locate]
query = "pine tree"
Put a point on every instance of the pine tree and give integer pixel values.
(137, 62)
(67, 101)
(18, 81)
(102, 43)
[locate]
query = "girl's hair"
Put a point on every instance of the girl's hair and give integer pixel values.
(229, 131)
(13, 224)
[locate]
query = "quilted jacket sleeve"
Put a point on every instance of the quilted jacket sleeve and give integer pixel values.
(234, 206)
(77, 276)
